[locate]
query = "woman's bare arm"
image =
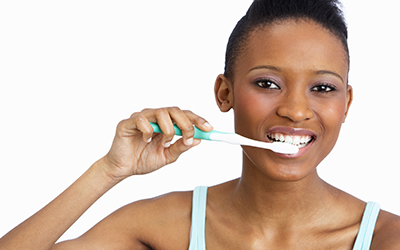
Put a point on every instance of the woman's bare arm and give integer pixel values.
(44, 228)
(135, 150)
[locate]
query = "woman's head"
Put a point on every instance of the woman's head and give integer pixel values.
(265, 12)
(289, 84)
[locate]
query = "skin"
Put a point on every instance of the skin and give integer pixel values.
(293, 74)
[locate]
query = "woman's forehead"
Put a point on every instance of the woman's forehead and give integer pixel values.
(295, 45)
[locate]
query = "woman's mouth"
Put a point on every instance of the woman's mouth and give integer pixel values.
(302, 138)
(299, 141)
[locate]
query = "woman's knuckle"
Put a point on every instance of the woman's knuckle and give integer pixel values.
(121, 125)
(140, 118)
(200, 119)
(134, 114)
(188, 129)
(145, 110)
(161, 111)
(188, 112)
(174, 108)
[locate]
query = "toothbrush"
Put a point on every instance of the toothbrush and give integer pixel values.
(236, 139)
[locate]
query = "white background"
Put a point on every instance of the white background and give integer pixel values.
(71, 70)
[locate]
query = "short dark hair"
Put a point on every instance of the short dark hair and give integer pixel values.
(327, 13)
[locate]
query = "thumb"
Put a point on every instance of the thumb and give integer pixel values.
(175, 150)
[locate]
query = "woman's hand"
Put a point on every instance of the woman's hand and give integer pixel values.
(136, 150)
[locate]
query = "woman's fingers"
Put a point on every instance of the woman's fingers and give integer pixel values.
(136, 149)
(179, 147)
(198, 121)
(184, 124)
(167, 117)
(186, 120)
(163, 118)
(144, 126)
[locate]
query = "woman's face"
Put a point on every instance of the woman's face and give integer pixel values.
(291, 85)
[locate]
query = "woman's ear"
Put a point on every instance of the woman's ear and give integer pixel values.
(349, 100)
(223, 93)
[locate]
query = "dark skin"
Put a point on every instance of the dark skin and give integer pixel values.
(293, 75)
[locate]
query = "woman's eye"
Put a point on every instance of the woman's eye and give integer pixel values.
(323, 88)
(267, 84)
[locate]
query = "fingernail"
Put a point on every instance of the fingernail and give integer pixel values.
(208, 125)
(167, 144)
(189, 142)
(149, 140)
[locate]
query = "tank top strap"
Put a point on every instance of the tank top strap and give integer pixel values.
(197, 231)
(367, 227)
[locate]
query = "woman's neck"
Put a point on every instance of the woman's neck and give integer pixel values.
(281, 202)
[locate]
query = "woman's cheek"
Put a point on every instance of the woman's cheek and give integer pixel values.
(250, 110)
(332, 115)
(334, 111)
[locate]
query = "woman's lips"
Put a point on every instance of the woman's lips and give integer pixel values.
(302, 138)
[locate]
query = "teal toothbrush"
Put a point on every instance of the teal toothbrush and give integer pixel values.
(233, 138)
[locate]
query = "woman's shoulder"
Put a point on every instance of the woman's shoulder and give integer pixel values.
(162, 222)
(387, 232)
(171, 207)
(158, 223)
(169, 202)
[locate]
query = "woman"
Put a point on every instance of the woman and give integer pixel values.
(286, 79)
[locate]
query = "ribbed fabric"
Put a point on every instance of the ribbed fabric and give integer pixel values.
(366, 231)
(197, 232)
(199, 203)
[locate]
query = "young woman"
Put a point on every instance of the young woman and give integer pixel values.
(286, 79)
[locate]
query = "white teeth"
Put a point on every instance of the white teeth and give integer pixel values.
(299, 141)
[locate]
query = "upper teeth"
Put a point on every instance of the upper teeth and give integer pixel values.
(297, 140)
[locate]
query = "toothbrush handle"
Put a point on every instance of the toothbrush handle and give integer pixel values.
(198, 134)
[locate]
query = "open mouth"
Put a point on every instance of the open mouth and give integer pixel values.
(297, 140)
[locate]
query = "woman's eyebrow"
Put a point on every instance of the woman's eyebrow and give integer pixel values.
(318, 72)
(266, 67)
(323, 72)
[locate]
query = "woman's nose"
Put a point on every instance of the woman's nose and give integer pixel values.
(296, 108)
